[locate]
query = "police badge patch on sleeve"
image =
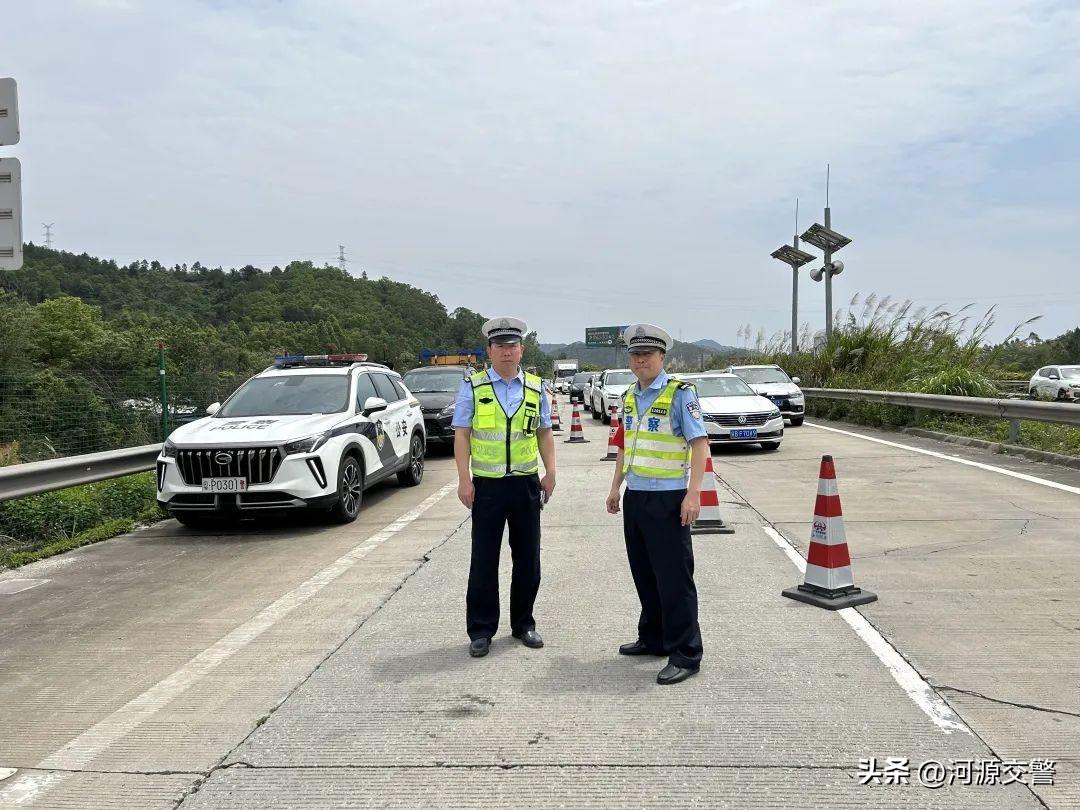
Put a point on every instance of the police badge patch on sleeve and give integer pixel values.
(694, 408)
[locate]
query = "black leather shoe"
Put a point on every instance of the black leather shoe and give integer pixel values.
(530, 638)
(636, 648)
(674, 674)
(479, 647)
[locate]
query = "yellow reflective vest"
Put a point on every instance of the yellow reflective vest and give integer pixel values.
(504, 444)
(650, 447)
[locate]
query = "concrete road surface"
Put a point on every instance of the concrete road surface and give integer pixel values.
(296, 665)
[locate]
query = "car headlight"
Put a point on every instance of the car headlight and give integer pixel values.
(774, 415)
(168, 449)
(309, 444)
(796, 396)
(447, 411)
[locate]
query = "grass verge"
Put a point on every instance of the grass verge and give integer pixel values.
(41, 526)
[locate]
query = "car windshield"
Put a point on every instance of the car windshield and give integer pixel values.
(434, 382)
(720, 387)
(619, 378)
(582, 377)
(288, 394)
(1070, 371)
(762, 375)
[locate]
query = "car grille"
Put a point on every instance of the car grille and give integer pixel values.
(430, 411)
(732, 419)
(256, 464)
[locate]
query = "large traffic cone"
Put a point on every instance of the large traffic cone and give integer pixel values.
(709, 520)
(828, 582)
(616, 426)
(577, 435)
(556, 424)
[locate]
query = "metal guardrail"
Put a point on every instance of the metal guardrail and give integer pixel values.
(1015, 410)
(20, 480)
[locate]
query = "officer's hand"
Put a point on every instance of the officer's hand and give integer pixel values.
(547, 484)
(613, 502)
(466, 493)
(691, 506)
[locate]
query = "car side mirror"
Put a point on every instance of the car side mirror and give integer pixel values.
(213, 408)
(796, 380)
(373, 405)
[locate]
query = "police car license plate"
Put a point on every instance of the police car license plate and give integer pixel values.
(749, 433)
(224, 485)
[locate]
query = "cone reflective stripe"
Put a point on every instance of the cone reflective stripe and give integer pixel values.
(577, 435)
(616, 426)
(709, 520)
(556, 423)
(829, 582)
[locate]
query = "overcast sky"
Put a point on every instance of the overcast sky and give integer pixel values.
(574, 163)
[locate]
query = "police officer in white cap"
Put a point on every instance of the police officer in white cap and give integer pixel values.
(665, 444)
(502, 423)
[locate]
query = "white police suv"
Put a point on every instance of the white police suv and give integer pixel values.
(311, 431)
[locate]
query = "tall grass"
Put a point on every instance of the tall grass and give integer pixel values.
(883, 344)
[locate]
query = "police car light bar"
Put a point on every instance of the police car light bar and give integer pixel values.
(286, 360)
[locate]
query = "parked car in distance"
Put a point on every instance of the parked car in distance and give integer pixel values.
(734, 413)
(590, 384)
(436, 388)
(1056, 382)
(773, 382)
(608, 391)
(577, 385)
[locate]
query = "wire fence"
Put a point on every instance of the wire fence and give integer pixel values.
(51, 413)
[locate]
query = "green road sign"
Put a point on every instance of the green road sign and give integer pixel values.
(604, 335)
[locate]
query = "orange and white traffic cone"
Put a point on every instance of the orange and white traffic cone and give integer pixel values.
(556, 423)
(828, 581)
(577, 435)
(709, 520)
(616, 427)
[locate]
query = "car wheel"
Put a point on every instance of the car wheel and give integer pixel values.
(200, 520)
(350, 491)
(770, 445)
(1034, 393)
(1060, 395)
(596, 413)
(797, 420)
(414, 473)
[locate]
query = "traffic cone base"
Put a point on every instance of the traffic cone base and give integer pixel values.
(830, 600)
(828, 582)
(709, 520)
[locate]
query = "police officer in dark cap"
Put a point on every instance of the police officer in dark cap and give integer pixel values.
(662, 461)
(502, 426)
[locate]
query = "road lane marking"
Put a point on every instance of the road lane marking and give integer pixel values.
(923, 695)
(79, 752)
(990, 467)
(12, 586)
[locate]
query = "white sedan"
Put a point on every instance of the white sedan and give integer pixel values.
(1056, 382)
(734, 414)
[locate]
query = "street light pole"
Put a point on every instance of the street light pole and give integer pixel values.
(828, 279)
(795, 302)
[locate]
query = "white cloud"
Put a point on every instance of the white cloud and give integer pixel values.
(588, 154)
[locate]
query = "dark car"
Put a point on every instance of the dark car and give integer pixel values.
(577, 385)
(436, 387)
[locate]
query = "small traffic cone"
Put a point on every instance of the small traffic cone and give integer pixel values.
(709, 520)
(556, 423)
(616, 427)
(828, 581)
(577, 435)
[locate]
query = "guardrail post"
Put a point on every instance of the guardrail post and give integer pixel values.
(164, 393)
(1014, 431)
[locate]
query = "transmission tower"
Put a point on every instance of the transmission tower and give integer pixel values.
(48, 233)
(341, 260)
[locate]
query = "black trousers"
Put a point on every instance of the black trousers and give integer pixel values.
(515, 500)
(661, 559)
